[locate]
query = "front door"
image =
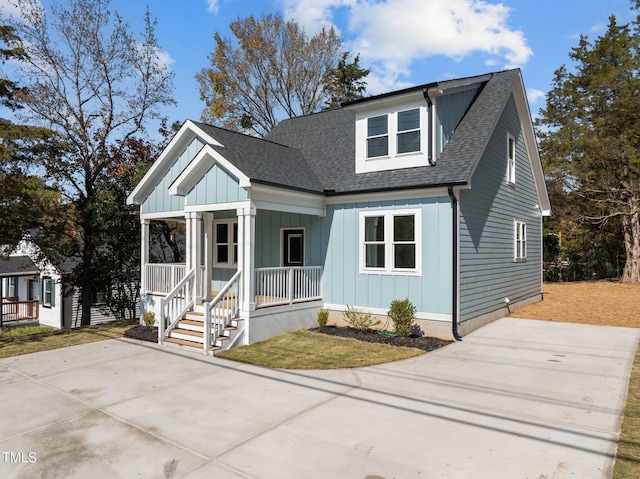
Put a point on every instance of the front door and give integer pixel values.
(293, 247)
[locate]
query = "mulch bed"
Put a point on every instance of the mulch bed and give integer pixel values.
(143, 333)
(426, 343)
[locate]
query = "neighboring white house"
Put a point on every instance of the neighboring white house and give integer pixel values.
(435, 193)
(33, 290)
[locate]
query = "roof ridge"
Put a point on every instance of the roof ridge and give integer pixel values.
(244, 135)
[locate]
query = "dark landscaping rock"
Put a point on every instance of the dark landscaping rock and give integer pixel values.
(425, 343)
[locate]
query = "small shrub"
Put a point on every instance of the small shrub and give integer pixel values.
(323, 317)
(149, 318)
(358, 320)
(402, 312)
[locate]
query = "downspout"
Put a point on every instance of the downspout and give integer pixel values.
(454, 301)
(425, 92)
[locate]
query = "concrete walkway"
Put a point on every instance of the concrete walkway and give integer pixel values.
(517, 399)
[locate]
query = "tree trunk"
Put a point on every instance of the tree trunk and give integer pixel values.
(631, 229)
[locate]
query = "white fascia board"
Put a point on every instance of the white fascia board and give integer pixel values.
(291, 201)
(387, 101)
(164, 215)
(452, 86)
(388, 195)
(200, 164)
(531, 144)
(181, 139)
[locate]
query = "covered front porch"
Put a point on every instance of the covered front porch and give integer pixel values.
(241, 266)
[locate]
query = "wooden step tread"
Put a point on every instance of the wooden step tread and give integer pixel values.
(191, 344)
(188, 332)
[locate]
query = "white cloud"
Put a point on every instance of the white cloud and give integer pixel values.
(534, 95)
(212, 6)
(391, 34)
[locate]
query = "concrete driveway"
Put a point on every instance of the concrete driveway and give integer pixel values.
(516, 399)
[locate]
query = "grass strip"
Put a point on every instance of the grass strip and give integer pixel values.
(15, 344)
(308, 350)
(628, 456)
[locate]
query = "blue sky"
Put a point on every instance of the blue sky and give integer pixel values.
(404, 42)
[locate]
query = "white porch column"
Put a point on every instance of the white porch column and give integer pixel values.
(144, 257)
(194, 250)
(246, 260)
(208, 254)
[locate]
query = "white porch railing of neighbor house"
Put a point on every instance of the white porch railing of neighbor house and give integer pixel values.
(286, 285)
(175, 305)
(219, 313)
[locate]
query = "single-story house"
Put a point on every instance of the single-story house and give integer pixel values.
(433, 193)
(34, 291)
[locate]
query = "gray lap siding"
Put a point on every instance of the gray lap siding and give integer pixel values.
(488, 271)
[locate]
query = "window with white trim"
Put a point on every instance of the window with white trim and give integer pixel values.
(408, 131)
(377, 136)
(47, 292)
(225, 250)
(390, 242)
(520, 241)
(511, 160)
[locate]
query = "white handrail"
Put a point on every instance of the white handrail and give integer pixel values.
(221, 310)
(174, 306)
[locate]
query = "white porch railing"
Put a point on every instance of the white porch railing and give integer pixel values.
(286, 285)
(219, 312)
(174, 306)
(161, 278)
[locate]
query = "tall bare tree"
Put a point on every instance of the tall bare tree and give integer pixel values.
(96, 84)
(273, 70)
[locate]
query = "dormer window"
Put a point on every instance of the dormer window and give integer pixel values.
(377, 136)
(409, 131)
(392, 136)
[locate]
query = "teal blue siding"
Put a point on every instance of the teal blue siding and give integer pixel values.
(449, 111)
(159, 200)
(216, 186)
(488, 272)
(268, 236)
(344, 284)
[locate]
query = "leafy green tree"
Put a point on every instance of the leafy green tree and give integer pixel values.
(96, 84)
(346, 82)
(589, 136)
(25, 201)
(273, 70)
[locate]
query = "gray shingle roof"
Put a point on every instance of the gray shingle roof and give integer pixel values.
(17, 265)
(317, 152)
(265, 161)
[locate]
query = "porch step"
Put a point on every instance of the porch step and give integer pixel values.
(192, 336)
(189, 344)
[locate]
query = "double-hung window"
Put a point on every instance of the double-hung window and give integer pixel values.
(520, 241)
(390, 242)
(226, 243)
(377, 136)
(408, 131)
(47, 292)
(511, 160)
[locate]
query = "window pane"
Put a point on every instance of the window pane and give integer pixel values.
(295, 249)
(512, 148)
(222, 233)
(405, 256)
(409, 142)
(222, 251)
(409, 120)
(404, 228)
(377, 125)
(374, 256)
(374, 228)
(377, 147)
(235, 232)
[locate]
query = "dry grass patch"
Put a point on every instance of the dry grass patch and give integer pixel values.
(307, 350)
(60, 338)
(603, 303)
